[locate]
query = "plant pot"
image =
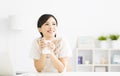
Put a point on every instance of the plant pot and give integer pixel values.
(115, 44)
(103, 44)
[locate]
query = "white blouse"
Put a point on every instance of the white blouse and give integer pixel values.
(62, 50)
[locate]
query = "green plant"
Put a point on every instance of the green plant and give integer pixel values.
(114, 37)
(101, 38)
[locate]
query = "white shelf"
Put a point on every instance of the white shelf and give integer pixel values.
(99, 59)
(85, 65)
(101, 64)
(114, 64)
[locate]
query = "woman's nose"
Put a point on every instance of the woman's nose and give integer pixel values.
(51, 26)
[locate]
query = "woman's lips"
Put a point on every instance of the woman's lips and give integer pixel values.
(50, 31)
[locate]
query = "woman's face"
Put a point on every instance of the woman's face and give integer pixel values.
(49, 28)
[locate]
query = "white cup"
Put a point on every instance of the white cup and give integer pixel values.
(46, 50)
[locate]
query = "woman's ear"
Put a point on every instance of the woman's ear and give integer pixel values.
(39, 29)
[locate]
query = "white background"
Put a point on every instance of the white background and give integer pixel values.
(75, 18)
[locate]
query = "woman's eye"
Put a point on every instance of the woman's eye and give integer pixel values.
(46, 24)
(54, 24)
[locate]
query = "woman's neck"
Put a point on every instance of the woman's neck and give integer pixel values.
(49, 38)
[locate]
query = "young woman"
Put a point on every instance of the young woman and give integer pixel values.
(50, 53)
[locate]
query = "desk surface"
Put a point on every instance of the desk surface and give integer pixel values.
(73, 74)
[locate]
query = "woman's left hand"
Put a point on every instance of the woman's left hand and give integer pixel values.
(51, 46)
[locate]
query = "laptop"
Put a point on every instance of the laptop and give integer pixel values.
(6, 64)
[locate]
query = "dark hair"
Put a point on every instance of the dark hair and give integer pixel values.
(43, 19)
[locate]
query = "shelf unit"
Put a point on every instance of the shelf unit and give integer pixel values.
(97, 60)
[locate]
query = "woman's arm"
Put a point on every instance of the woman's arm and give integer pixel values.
(39, 64)
(60, 64)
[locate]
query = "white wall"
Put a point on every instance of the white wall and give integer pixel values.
(75, 18)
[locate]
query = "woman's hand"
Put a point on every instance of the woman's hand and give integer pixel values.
(51, 46)
(42, 44)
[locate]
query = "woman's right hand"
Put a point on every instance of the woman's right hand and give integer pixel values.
(42, 44)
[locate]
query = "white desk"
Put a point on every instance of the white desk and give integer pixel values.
(74, 74)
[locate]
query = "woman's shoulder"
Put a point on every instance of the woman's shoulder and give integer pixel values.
(36, 39)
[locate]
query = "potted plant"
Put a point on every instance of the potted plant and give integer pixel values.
(114, 38)
(102, 38)
(103, 41)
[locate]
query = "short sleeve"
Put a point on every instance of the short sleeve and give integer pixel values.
(65, 50)
(35, 52)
